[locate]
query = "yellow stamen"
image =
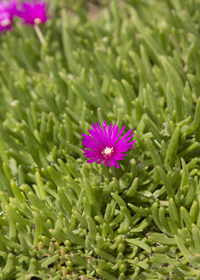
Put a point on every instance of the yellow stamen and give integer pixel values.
(37, 20)
(107, 151)
(5, 22)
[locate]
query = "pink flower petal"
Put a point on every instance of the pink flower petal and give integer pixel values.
(31, 11)
(105, 145)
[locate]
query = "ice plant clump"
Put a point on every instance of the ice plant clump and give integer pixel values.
(105, 145)
(7, 12)
(33, 12)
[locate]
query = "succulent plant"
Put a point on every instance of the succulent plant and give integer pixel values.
(135, 65)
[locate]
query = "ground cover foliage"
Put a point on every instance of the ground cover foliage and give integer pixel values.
(134, 63)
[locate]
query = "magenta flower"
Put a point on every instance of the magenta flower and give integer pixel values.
(7, 12)
(33, 12)
(105, 144)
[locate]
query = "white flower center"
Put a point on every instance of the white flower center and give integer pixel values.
(37, 21)
(5, 22)
(107, 151)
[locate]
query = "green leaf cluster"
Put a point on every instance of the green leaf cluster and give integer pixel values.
(134, 63)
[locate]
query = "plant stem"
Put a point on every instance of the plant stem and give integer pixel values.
(39, 33)
(105, 171)
(114, 172)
